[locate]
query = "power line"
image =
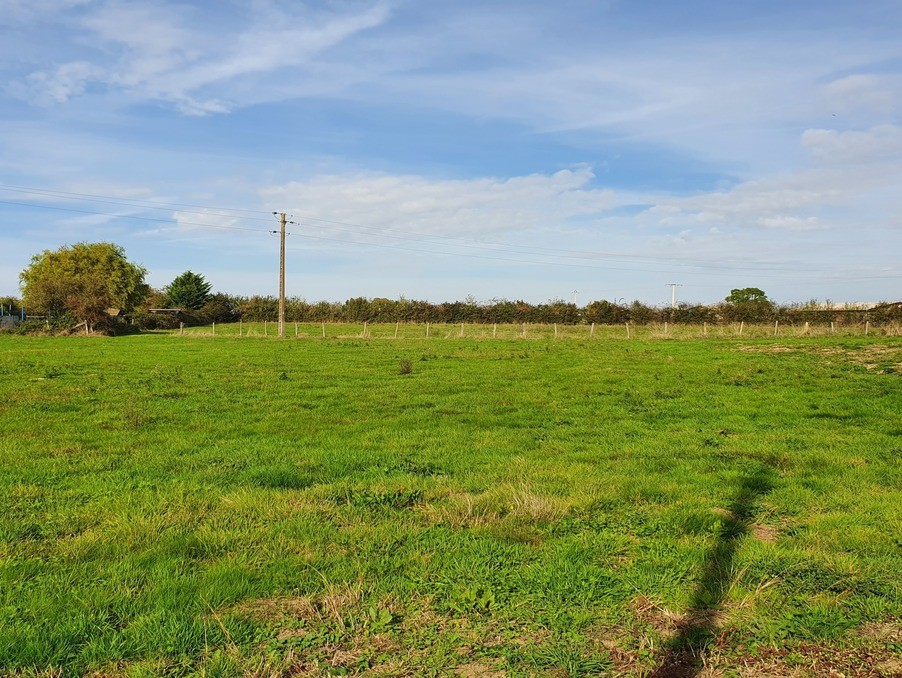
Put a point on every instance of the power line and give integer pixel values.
(544, 263)
(539, 252)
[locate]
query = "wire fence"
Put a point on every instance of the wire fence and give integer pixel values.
(527, 331)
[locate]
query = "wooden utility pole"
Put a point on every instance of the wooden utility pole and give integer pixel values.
(282, 222)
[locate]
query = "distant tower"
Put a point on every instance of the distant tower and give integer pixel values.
(673, 287)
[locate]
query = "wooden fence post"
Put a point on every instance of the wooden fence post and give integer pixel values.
(181, 328)
(494, 330)
(627, 330)
(592, 331)
(214, 329)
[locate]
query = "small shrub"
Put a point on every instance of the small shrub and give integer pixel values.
(406, 367)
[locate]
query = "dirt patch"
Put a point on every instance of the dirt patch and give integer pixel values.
(759, 531)
(766, 533)
(811, 661)
(665, 622)
(884, 632)
(767, 349)
(479, 670)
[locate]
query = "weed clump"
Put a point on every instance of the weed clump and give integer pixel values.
(406, 367)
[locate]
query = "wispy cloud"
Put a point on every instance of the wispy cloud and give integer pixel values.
(469, 207)
(161, 54)
(880, 144)
(27, 11)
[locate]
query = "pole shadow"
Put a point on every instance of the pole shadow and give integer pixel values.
(685, 654)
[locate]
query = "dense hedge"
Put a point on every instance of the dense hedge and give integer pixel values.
(359, 309)
(223, 308)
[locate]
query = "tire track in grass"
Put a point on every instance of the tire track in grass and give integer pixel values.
(685, 654)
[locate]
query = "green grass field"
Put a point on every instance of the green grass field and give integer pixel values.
(184, 505)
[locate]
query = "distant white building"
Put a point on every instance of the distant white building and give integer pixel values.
(847, 306)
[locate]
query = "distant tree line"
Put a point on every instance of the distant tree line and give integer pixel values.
(94, 286)
(229, 308)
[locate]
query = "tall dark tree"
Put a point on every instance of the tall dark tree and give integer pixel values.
(189, 291)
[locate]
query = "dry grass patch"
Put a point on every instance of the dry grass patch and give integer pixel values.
(332, 604)
(871, 356)
(884, 632)
(666, 623)
(479, 670)
(505, 503)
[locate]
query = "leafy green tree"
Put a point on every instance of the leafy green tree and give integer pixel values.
(604, 312)
(189, 291)
(218, 309)
(746, 295)
(749, 304)
(82, 281)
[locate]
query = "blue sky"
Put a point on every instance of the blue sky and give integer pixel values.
(440, 150)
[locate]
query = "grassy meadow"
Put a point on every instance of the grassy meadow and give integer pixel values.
(476, 506)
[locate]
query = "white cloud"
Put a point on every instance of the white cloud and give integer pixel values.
(470, 207)
(68, 80)
(865, 92)
(883, 142)
(850, 172)
(791, 223)
(203, 221)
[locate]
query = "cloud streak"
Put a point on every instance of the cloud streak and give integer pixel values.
(196, 70)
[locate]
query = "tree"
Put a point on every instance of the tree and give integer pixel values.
(747, 295)
(84, 281)
(189, 291)
(749, 304)
(218, 309)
